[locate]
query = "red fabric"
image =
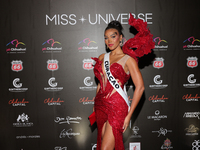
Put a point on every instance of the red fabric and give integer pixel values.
(142, 41)
(110, 106)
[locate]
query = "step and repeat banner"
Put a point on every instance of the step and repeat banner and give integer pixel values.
(47, 81)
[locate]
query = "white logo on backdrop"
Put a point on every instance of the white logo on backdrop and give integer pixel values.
(157, 116)
(68, 133)
(15, 83)
(86, 81)
(157, 112)
(88, 85)
(22, 118)
(60, 148)
(23, 121)
(135, 132)
(17, 86)
(196, 145)
(162, 131)
(192, 82)
(94, 147)
(67, 120)
(51, 82)
(191, 115)
(93, 19)
(158, 83)
(53, 85)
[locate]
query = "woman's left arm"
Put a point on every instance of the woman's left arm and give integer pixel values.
(137, 79)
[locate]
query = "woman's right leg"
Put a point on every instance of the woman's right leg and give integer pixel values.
(108, 139)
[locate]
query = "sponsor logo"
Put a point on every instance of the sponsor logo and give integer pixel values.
(192, 62)
(162, 131)
(18, 86)
(192, 82)
(158, 83)
(94, 147)
(158, 63)
(60, 148)
(160, 45)
(68, 120)
(16, 102)
(156, 99)
(135, 146)
(93, 19)
(86, 100)
(52, 46)
(135, 132)
(196, 145)
(53, 85)
(87, 46)
(88, 64)
(28, 137)
(68, 133)
(192, 130)
(88, 85)
(191, 115)
(189, 44)
(157, 116)
(23, 121)
(16, 65)
(13, 47)
(51, 101)
(190, 98)
(167, 144)
(52, 65)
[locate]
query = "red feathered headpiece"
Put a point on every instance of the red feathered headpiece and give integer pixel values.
(142, 41)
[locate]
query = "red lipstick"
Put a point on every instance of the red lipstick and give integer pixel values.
(110, 45)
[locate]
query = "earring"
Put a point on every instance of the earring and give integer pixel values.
(121, 44)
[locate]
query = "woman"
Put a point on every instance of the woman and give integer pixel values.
(112, 115)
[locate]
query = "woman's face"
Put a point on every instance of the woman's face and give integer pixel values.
(112, 38)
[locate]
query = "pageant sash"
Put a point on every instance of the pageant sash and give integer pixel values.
(113, 81)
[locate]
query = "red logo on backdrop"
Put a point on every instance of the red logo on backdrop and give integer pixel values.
(16, 65)
(52, 65)
(84, 99)
(190, 97)
(158, 63)
(51, 100)
(16, 102)
(192, 62)
(88, 64)
(151, 98)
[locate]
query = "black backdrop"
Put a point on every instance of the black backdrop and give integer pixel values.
(47, 83)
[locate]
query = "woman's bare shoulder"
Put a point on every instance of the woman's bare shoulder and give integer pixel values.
(131, 61)
(101, 57)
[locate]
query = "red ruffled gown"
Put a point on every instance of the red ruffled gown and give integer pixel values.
(109, 105)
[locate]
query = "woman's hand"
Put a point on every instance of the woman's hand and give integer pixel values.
(126, 123)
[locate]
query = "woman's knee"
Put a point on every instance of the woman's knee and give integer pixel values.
(108, 140)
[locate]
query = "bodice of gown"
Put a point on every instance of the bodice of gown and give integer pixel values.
(117, 71)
